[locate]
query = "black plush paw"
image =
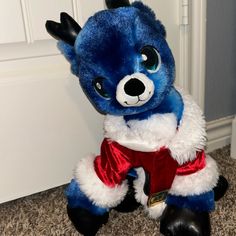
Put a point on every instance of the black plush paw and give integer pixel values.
(221, 188)
(129, 203)
(184, 222)
(85, 222)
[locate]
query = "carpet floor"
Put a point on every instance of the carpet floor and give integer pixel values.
(44, 214)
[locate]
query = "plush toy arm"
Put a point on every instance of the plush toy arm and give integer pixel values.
(102, 178)
(195, 191)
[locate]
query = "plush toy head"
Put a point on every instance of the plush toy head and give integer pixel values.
(121, 57)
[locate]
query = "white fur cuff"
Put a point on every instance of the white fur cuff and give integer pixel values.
(99, 193)
(200, 182)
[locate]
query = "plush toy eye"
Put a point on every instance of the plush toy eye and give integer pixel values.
(151, 59)
(98, 85)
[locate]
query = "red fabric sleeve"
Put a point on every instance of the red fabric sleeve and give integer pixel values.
(193, 166)
(113, 164)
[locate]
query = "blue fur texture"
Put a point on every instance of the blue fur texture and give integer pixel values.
(202, 202)
(109, 46)
(76, 198)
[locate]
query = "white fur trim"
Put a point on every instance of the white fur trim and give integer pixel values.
(156, 211)
(200, 182)
(153, 212)
(160, 130)
(145, 135)
(191, 135)
(100, 194)
(138, 186)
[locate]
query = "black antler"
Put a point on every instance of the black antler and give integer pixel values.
(67, 30)
(117, 3)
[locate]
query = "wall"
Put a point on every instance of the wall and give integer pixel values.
(220, 93)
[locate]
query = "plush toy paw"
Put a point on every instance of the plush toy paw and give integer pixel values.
(184, 222)
(86, 223)
(129, 203)
(221, 188)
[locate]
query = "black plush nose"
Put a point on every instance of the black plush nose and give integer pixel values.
(134, 87)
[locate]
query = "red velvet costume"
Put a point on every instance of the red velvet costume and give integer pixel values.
(115, 162)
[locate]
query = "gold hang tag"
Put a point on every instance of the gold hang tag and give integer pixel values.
(157, 198)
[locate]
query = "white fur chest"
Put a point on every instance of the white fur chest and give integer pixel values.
(145, 135)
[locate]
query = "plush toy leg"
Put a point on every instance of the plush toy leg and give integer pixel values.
(85, 222)
(183, 221)
(85, 216)
(187, 215)
(221, 188)
(129, 203)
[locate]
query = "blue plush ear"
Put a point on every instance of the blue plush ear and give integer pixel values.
(69, 52)
(149, 13)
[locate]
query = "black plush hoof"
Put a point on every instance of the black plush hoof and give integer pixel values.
(129, 204)
(221, 188)
(85, 222)
(184, 222)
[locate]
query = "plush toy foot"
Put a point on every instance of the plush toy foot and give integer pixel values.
(184, 222)
(129, 203)
(85, 222)
(221, 188)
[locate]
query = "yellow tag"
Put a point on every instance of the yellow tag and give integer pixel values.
(157, 198)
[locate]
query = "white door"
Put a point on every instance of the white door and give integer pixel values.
(46, 122)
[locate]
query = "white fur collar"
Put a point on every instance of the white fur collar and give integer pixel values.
(160, 130)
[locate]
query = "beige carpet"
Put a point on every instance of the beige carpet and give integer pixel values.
(44, 214)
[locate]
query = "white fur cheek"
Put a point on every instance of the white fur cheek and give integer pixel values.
(99, 193)
(200, 182)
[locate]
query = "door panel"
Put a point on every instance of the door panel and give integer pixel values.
(40, 11)
(12, 28)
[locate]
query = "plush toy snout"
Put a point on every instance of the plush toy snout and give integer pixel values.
(134, 90)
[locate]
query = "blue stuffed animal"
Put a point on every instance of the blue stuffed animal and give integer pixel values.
(153, 150)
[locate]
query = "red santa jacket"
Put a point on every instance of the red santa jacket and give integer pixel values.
(116, 160)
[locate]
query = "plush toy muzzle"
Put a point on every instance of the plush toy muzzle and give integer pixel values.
(134, 90)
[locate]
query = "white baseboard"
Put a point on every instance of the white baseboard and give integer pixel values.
(219, 133)
(233, 140)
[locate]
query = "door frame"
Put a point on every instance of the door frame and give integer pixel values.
(193, 50)
(198, 15)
